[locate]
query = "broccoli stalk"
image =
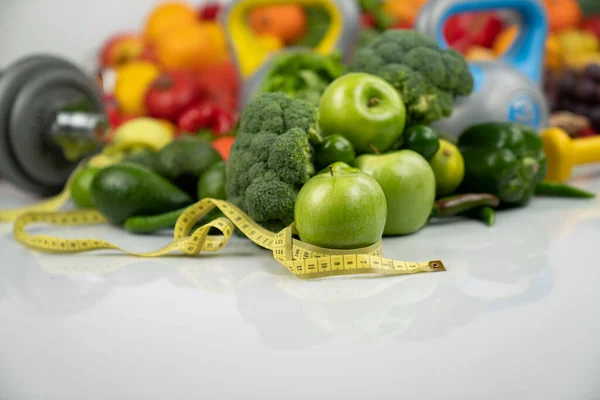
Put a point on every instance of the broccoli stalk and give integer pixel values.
(271, 158)
(427, 77)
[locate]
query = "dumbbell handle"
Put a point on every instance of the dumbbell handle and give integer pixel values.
(586, 150)
(84, 130)
(564, 153)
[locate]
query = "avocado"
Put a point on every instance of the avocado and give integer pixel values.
(183, 161)
(212, 182)
(126, 190)
(143, 157)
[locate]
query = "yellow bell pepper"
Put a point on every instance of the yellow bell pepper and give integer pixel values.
(133, 79)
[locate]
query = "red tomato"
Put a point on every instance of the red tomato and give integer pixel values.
(170, 95)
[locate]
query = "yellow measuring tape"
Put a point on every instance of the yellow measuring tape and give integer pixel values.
(302, 259)
(50, 205)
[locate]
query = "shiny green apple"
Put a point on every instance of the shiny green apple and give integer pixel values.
(341, 210)
(409, 186)
(365, 109)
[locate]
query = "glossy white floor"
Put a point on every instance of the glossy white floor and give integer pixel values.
(515, 316)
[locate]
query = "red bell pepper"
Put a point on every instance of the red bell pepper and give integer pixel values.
(206, 115)
(220, 83)
(464, 31)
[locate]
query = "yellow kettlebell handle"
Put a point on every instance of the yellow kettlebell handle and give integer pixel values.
(249, 53)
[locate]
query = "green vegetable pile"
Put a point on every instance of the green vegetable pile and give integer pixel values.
(303, 75)
(427, 77)
(148, 190)
(375, 117)
(271, 158)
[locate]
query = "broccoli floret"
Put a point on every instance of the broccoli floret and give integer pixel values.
(270, 199)
(271, 158)
(427, 77)
(290, 157)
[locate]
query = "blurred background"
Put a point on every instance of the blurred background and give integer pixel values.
(131, 47)
(72, 28)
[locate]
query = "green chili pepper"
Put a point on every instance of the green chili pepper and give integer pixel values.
(503, 159)
(462, 203)
(556, 189)
(486, 214)
(153, 223)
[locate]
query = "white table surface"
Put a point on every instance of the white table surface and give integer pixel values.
(514, 317)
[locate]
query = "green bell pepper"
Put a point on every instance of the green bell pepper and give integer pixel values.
(504, 159)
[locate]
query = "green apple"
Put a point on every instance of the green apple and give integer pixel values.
(339, 168)
(365, 109)
(343, 210)
(409, 186)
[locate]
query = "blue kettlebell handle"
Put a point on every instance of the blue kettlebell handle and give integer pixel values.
(527, 52)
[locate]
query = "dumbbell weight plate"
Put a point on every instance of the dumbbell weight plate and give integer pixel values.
(11, 83)
(34, 107)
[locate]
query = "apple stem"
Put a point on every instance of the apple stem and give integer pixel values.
(375, 149)
(331, 170)
(373, 101)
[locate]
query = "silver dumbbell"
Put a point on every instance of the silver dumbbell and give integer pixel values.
(51, 117)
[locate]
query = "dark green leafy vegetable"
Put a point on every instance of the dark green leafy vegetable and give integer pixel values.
(317, 24)
(302, 74)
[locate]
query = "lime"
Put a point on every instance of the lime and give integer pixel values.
(212, 182)
(80, 187)
(448, 167)
(422, 139)
(335, 148)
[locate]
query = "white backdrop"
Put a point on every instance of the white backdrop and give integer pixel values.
(72, 28)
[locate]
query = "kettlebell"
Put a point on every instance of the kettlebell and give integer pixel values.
(51, 117)
(507, 89)
(252, 60)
